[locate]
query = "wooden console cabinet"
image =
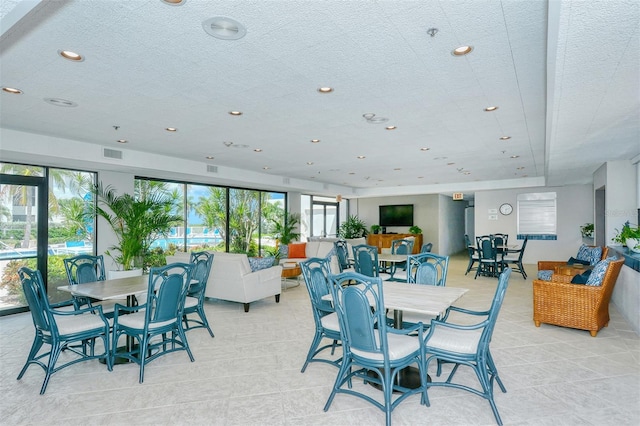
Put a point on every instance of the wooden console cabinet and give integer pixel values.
(384, 240)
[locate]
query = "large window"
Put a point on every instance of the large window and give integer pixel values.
(217, 218)
(42, 221)
(537, 216)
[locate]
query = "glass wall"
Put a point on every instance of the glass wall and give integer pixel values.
(42, 221)
(218, 218)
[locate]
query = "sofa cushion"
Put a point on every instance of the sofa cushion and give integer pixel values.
(597, 275)
(258, 263)
(590, 254)
(297, 250)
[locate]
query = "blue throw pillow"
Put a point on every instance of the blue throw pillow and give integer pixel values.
(258, 263)
(589, 254)
(597, 275)
(545, 274)
(581, 278)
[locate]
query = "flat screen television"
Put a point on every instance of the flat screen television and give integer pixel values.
(396, 215)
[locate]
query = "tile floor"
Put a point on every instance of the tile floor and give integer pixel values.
(249, 374)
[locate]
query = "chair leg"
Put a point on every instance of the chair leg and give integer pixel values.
(246, 307)
(204, 320)
(314, 345)
(35, 348)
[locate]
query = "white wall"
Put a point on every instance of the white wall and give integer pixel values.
(425, 214)
(574, 208)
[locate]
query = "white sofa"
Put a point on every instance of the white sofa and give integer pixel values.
(316, 249)
(231, 279)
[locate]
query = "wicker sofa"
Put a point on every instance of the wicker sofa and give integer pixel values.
(552, 264)
(559, 302)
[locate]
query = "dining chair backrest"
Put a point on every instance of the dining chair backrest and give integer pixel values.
(37, 300)
(500, 240)
(428, 268)
(494, 310)
(401, 246)
(342, 252)
(426, 248)
(201, 261)
(316, 273)
(168, 287)
(486, 247)
(84, 268)
(361, 313)
(365, 259)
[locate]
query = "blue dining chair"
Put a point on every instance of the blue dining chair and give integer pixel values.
(365, 260)
(469, 345)
(369, 345)
(316, 273)
(156, 324)
(342, 252)
(425, 269)
(194, 302)
(84, 268)
(60, 329)
(401, 247)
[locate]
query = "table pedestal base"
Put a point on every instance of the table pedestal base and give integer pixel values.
(408, 377)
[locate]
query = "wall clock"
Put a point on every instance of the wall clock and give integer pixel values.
(506, 209)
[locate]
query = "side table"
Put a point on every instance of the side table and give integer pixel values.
(290, 272)
(572, 270)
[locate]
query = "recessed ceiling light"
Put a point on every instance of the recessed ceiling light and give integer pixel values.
(504, 138)
(520, 168)
(325, 89)
(174, 2)
(361, 157)
(258, 150)
(224, 28)
(171, 129)
(265, 168)
(315, 140)
(462, 50)
(450, 164)
(390, 127)
(420, 177)
(235, 113)
(425, 149)
(309, 163)
(209, 157)
(60, 102)
(122, 141)
(72, 56)
(491, 108)
(12, 90)
(440, 158)
(352, 173)
(466, 173)
(515, 156)
(397, 168)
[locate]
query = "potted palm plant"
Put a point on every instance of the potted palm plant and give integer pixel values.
(284, 229)
(136, 223)
(353, 227)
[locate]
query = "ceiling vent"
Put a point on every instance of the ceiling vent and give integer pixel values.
(286, 181)
(112, 153)
(212, 169)
(224, 28)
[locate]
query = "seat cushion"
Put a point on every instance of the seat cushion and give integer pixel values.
(70, 324)
(330, 322)
(190, 302)
(136, 320)
(400, 346)
(454, 340)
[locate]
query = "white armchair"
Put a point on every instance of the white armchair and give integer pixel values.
(231, 279)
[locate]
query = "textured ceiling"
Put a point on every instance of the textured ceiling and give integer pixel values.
(564, 76)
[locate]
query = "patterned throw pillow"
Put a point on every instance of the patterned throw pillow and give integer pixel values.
(545, 274)
(590, 254)
(597, 275)
(258, 263)
(284, 251)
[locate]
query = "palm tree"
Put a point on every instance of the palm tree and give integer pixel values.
(24, 195)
